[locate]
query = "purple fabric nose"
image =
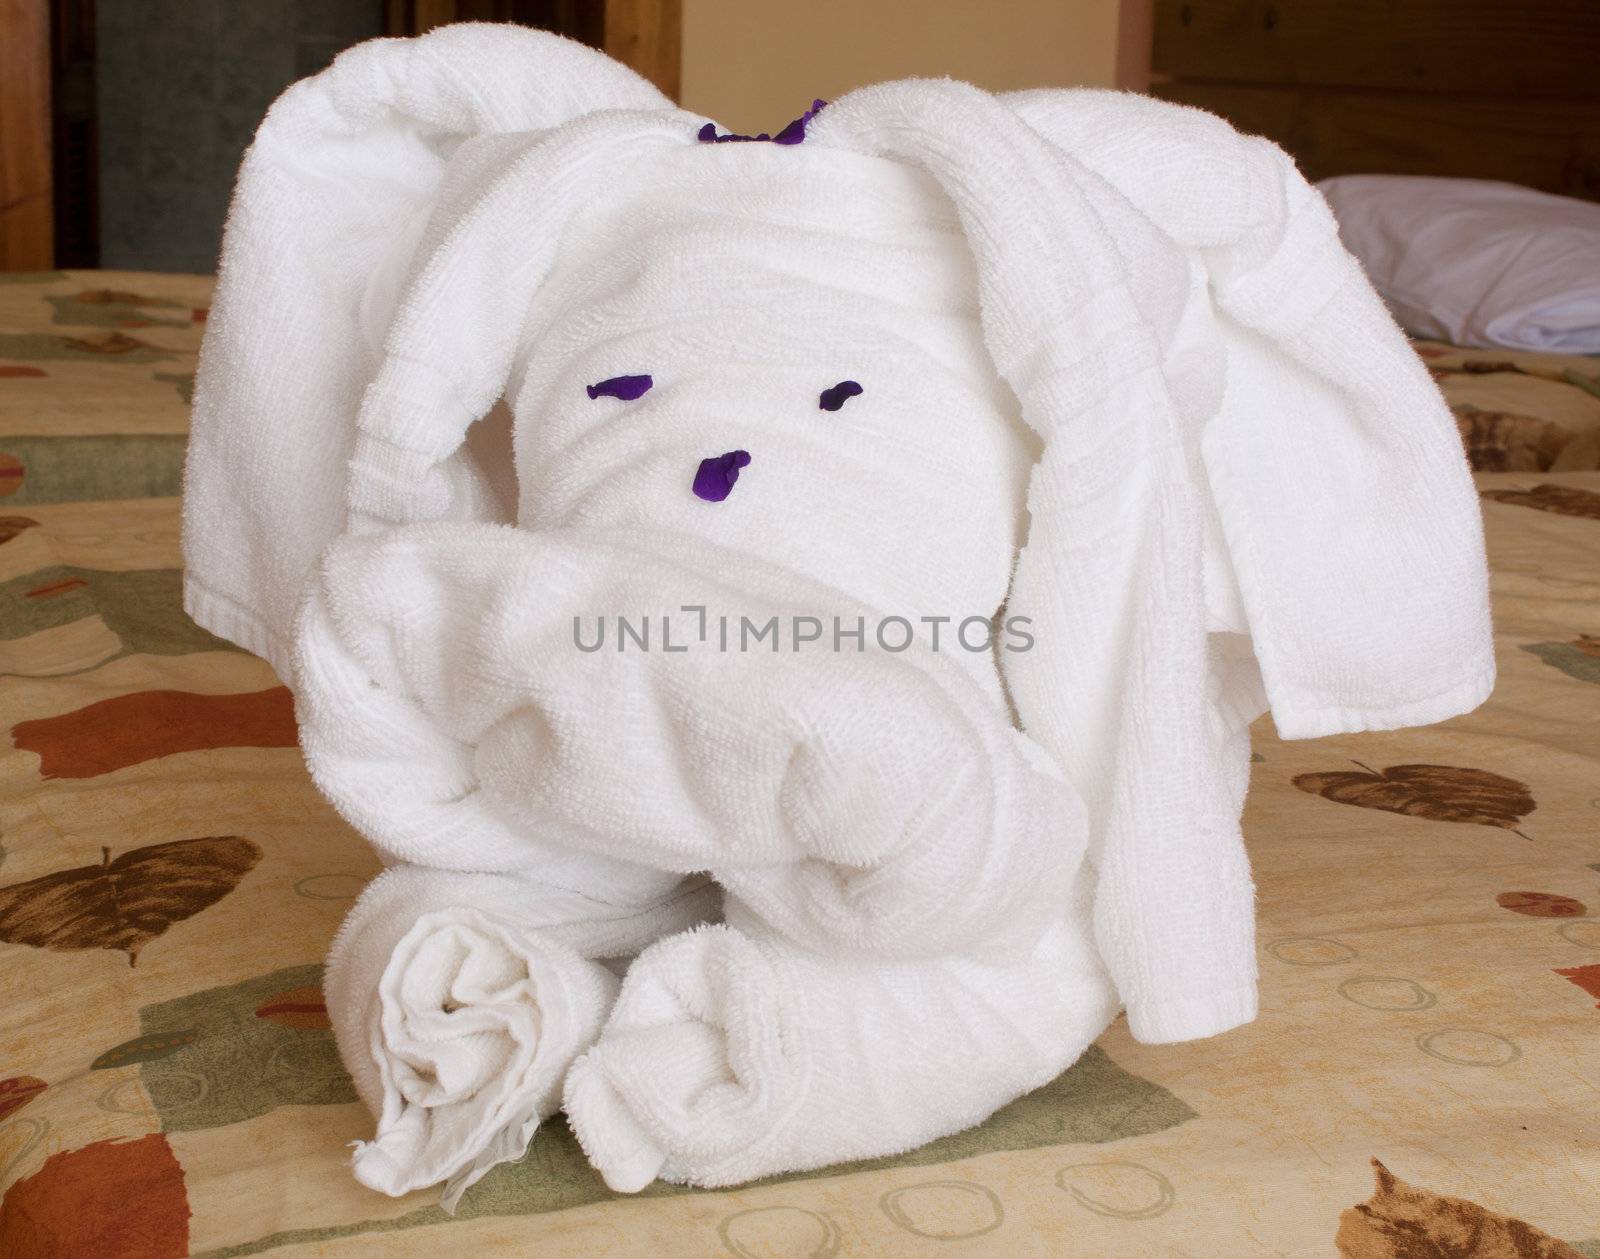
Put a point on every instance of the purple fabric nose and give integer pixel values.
(713, 480)
(835, 397)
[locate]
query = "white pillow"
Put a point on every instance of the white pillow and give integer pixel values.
(1476, 262)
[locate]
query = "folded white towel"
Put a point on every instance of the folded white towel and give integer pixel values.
(460, 1000)
(326, 214)
(868, 802)
(732, 1055)
(1343, 549)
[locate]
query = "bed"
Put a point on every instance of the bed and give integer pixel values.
(1424, 1067)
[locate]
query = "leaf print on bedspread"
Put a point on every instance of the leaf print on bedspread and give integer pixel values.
(143, 1049)
(1586, 977)
(140, 608)
(91, 468)
(108, 1200)
(1500, 441)
(1578, 658)
(1541, 904)
(127, 902)
(96, 347)
(1441, 793)
(113, 308)
(242, 1050)
(129, 729)
(14, 526)
(183, 382)
(1561, 499)
(1401, 1221)
(18, 1091)
(303, 1009)
(1092, 1102)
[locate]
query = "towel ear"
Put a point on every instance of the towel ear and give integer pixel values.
(331, 201)
(1336, 473)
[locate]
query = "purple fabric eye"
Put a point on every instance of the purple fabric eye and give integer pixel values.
(625, 387)
(834, 398)
(713, 480)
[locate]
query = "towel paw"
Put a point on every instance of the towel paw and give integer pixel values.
(730, 1056)
(702, 1058)
(476, 1023)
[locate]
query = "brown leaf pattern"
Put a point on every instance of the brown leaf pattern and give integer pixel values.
(1561, 499)
(1587, 645)
(118, 297)
(111, 343)
(108, 1200)
(125, 903)
(11, 526)
(112, 734)
(302, 1009)
(1541, 904)
(1500, 441)
(1586, 977)
(1401, 1221)
(145, 1049)
(1441, 793)
(1578, 658)
(17, 1091)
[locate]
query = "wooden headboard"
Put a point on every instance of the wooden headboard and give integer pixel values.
(1486, 89)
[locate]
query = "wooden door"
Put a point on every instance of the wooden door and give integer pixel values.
(27, 240)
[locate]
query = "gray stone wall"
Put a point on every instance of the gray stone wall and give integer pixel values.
(182, 85)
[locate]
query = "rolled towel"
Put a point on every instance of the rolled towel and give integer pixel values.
(460, 1000)
(859, 800)
(732, 1055)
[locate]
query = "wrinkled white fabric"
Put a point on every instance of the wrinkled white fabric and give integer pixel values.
(869, 802)
(1476, 261)
(327, 212)
(459, 1001)
(729, 1056)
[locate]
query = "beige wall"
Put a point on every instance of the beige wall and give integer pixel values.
(754, 64)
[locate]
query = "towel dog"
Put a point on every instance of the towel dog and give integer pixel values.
(894, 524)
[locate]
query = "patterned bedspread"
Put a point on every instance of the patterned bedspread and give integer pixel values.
(1423, 1079)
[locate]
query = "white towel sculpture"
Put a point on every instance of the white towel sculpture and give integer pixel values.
(1087, 364)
